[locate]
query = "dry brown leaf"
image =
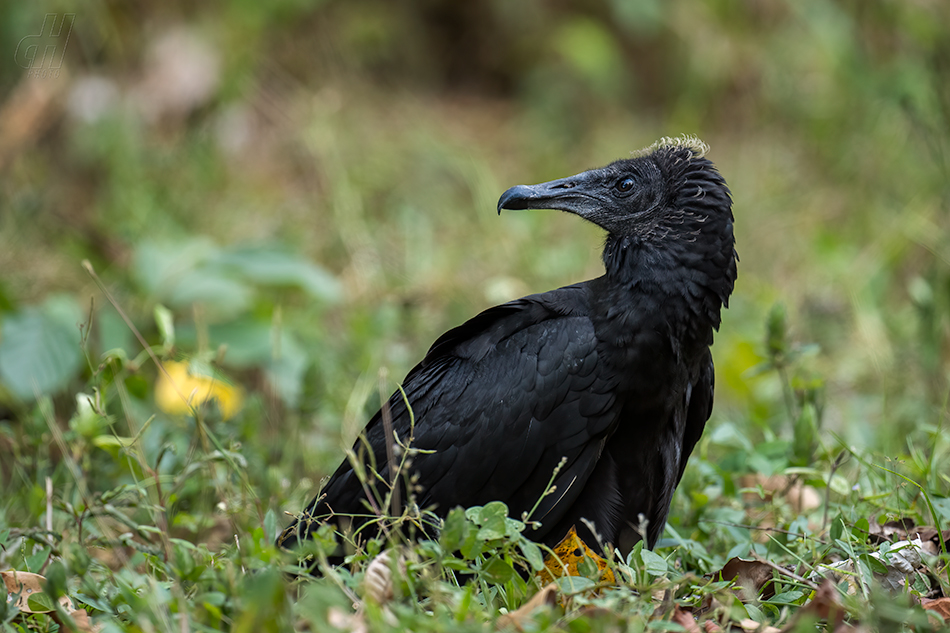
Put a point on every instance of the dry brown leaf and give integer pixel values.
(752, 626)
(686, 620)
(897, 530)
(350, 622)
(799, 496)
(930, 540)
(33, 106)
(711, 627)
(753, 577)
(27, 584)
(378, 581)
(940, 606)
(81, 623)
(826, 605)
(544, 599)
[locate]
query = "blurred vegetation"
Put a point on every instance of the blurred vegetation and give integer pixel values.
(288, 196)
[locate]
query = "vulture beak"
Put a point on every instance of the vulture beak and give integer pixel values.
(575, 194)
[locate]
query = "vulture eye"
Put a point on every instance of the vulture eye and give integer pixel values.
(625, 185)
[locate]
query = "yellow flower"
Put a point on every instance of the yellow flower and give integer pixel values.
(182, 388)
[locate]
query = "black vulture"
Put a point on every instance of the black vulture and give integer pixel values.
(612, 378)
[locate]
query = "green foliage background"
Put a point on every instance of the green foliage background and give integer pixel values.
(309, 187)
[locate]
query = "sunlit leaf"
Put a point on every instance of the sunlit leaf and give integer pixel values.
(183, 388)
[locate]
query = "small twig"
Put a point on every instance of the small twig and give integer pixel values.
(49, 504)
(785, 572)
(763, 529)
(237, 543)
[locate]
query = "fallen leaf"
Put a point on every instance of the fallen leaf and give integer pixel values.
(931, 542)
(940, 606)
(826, 605)
(901, 560)
(182, 386)
(31, 108)
(752, 626)
(544, 599)
(686, 620)
(81, 623)
(890, 531)
(378, 581)
(568, 554)
(800, 497)
(350, 622)
(29, 585)
(753, 578)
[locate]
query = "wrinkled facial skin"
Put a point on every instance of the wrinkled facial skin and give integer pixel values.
(616, 197)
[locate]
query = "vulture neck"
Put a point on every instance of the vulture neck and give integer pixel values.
(671, 284)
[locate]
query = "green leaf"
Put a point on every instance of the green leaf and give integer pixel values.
(776, 337)
(55, 579)
(571, 584)
(35, 561)
(875, 564)
(653, 563)
(166, 325)
(40, 603)
(837, 528)
(270, 525)
(588, 568)
(455, 530)
(787, 597)
(513, 527)
(863, 527)
(456, 563)
(287, 368)
(532, 554)
(806, 435)
(274, 267)
(492, 520)
(497, 571)
(664, 625)
(39, 348)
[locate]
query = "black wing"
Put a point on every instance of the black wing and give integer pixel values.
(498, 401)
(698, 409)
(652, 447)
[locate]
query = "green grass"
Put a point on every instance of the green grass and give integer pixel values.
(328, 210)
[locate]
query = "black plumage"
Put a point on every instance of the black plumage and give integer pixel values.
(613, 375)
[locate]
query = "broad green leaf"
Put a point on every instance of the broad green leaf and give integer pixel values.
(455, 529)
(40, 603)
(497, 571)
(166, 325)
(513, 527)
(532, 554)
(571, 584)
(787, 597)
(942, 506)
(653, 563)
(270, 525)
(492, 521)
(274, 267)
(40, 348)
